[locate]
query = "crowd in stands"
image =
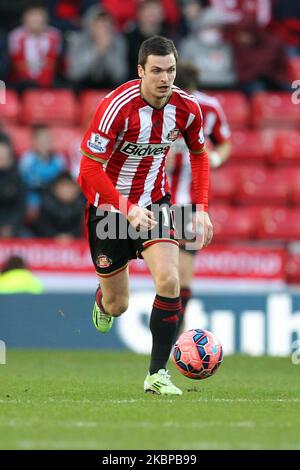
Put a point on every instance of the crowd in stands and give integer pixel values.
(242, 48)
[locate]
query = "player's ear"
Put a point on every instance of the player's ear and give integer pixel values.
(140, 71)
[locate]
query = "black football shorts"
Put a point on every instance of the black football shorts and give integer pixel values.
(114, 242)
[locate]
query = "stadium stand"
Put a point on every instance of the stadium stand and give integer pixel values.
(274, 109)
(49, 107)
(236, 108)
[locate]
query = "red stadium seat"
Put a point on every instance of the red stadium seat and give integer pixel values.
(279, 223)
(292, 268)
(223, 184)
(49, 107)
(248, 146)
(294, 68)
(262, 186)
(286, 149)
(274, 109)
(21, 137)
(10, 110)
(231, 223)
(66, 140)
(292, 175)
(236, 107)
(89, 101)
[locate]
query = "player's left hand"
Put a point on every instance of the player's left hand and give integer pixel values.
(203, 227)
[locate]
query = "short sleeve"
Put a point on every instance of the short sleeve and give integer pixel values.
(194, 134)
(100, 138)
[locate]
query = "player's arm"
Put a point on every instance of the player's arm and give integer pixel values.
(92, 174)
(194, 138)
(219, 154)
(220, 138)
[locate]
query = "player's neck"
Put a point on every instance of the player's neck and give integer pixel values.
(152, 100)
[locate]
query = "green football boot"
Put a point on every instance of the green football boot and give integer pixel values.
(102, 321)
(160, 384)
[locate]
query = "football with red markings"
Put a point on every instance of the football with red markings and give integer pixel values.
(197, 354)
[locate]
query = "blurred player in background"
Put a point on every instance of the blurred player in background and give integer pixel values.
(123, 166)
(217, 135)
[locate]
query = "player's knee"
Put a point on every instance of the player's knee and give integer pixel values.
(116, 306)
(168, 284)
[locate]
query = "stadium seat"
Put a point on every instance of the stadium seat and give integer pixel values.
(231, 224)
(274, 109)
(236, 107)
(286, 148)
(292, 268)
(223, 184)
(279, 223)
(89, 101)
(66, 140)
(248, 146)
(21, 137)
(292, 175)
(49, 107)
(262, 186)
(10, 109)
(294, 63)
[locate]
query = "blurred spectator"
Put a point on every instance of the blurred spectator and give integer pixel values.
(149, 23)
(62, 209)
(125, 12)
(34, 49)
(287, 25)
(236, 11)
(260, 59)
(12, 192)
(40, 166)
(208, 50)
(16, 278)
(66, 14)
(191, 11)
(97, 56)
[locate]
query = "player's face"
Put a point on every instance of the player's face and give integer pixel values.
(158, 76)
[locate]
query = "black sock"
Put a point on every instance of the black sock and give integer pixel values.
(185, 294)
(163, 326)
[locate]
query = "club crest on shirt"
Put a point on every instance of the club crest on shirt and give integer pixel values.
(173, 134)
(97, 143)
(103, 261)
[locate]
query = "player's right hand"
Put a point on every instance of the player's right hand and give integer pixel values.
(141, 218)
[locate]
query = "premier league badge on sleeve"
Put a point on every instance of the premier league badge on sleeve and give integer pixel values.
(97, 143)
(173, 134)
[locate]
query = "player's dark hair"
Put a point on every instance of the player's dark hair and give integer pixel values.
(156, 45)
(187, 76)
(34, 5)
(14, 262)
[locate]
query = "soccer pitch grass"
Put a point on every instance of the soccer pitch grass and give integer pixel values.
(95, 400)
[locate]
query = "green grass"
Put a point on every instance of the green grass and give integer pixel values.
(95, 400)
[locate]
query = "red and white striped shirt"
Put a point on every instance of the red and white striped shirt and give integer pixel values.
(133, 138)
(216, 131)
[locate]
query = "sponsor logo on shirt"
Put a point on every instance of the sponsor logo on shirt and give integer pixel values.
(97, 143)
(142, 150)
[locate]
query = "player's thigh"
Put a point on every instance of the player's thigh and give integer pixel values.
(115, 288)
(186, 268)
(162, 259)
